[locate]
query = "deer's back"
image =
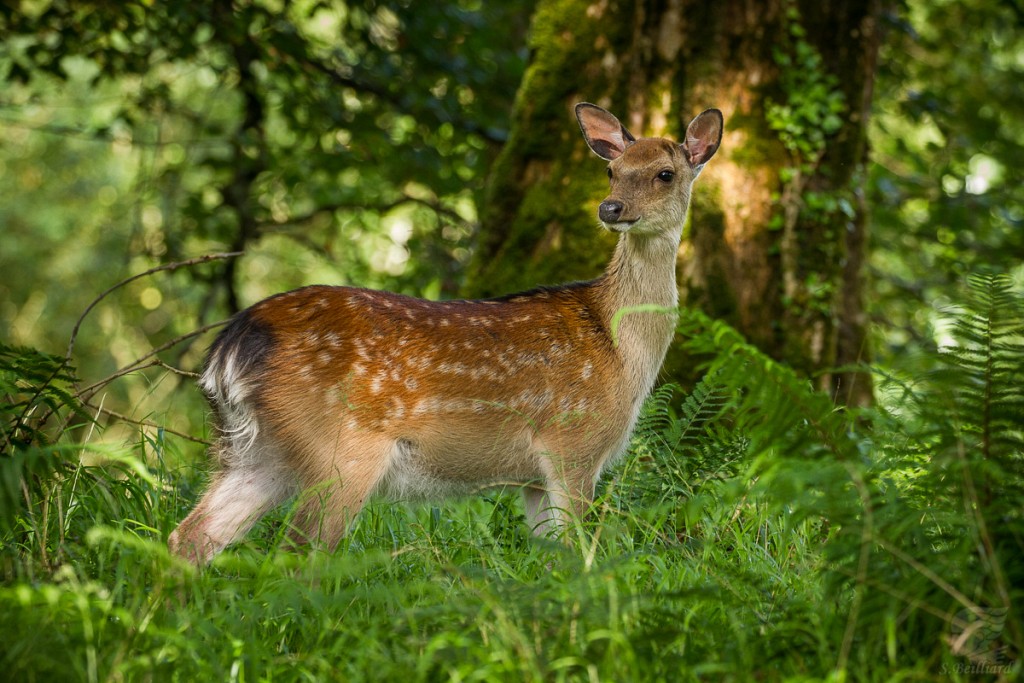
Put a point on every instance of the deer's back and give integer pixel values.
(468, 390)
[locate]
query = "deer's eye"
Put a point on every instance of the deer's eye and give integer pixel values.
(609, 174)
(666, 176)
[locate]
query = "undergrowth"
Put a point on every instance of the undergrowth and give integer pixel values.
(754, 531)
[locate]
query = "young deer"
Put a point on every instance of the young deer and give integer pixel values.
(345, 392)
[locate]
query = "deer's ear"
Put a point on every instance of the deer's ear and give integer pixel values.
(703, 136)
(604, 134)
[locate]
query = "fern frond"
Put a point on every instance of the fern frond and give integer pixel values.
(777, 410)
(656, 415)
(33, 386)
(966, 426)
(988, 365)
(706, 402)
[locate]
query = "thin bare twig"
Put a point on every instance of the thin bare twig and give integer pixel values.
(144, 423)
(866, 536)
(908, 599)
(167, 266)
(81, 318)
(140, 364)
(176, 371)
(929, 574)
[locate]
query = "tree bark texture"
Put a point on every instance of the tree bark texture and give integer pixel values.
(777, 236)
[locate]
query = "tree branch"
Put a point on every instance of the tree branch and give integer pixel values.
(88, 392)
(144, 423)
(167, 266)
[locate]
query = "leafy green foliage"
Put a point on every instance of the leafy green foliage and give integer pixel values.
(916, 504)
(812, 102)
(753, 530)
(964, 420)
(677, 447)
(283, 122)
(34, 387)
(332, 142)
(945, 191)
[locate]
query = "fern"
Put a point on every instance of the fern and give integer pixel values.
(683, 434)
(965, 427)
(677, 445)
(989, 361)
(34, 386)
(657, 415)
(781, 422)
(747, 414)
(920, 501)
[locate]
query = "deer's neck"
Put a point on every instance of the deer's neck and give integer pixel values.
(639, 292)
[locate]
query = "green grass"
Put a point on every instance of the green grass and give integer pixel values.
(716, 584)
(459, 592)
(753, 532)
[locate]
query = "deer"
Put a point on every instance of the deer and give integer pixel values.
(342, 392)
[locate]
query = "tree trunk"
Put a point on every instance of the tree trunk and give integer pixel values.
(776, 239)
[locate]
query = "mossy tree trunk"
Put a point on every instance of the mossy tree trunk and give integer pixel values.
(776, 239)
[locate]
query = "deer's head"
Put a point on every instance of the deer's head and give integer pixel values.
(651, 177)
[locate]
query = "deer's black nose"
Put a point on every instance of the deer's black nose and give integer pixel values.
(610, 211)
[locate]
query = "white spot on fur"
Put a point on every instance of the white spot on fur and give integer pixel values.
(455, 405)
(530, 399)
(398, 411)
(426, 405)
(588, 370)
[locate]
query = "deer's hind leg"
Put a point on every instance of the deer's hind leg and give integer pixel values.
(247, 486)
(337, 481)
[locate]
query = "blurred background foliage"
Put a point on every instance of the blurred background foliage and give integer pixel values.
(339, 142)
(332, 143)
(946, 196)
